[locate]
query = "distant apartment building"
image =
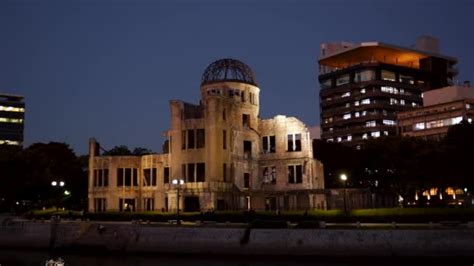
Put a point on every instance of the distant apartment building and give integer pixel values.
(441, 109)
(227, 156)
(12, 117)
(363, 86)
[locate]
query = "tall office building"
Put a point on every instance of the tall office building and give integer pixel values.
(12, 116)
(363, 86)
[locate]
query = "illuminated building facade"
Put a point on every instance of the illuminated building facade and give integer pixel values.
(364, 85)
(12, 117)
(442, 108)
(228, 157)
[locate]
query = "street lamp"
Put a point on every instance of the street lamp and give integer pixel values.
(178, 183)
(344, 178)
(61, 184)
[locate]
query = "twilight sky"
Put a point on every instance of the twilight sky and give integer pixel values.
(107, 68)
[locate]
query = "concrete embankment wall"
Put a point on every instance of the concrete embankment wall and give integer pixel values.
(238, 241)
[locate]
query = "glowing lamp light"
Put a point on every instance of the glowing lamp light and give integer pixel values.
(176, 181)
(61, 183)
(54, 183)
(343, 177)
(67, 193)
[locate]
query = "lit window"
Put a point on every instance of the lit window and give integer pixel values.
(419, 126)
(9, 142)
(402, 91)
(365, 136)
(393, 101)
(339, 139)
(330, 140)
(402, 102)
(349, 138)
(387, 75)
(469, 120)
(375, 134)
(364, 113)
(385, 133)
(365, 75)
(331, 129)
(414, 104)
(370, 124)
(365, 101)
(388, 89)
(347, 94)
(468, 106)
(12, 109)
(456, 120)
(388, 122)
(346, 116)
(356, 114)
(362, 91)
(11, 120)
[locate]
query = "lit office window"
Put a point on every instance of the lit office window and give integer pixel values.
(419, 126)
(346, 116)
(11, 120)
(9, 142)
(402, 102)
(12, 109)
(388, 75)
(365, 101)
(356, 114)
(349, 138)
(388, 122)
(365, 75)
(393, 101)
(365, 136)
(356, 103)
(388, 89)
(362, 91)
(375, 134)
(370, 124)
(347, 94)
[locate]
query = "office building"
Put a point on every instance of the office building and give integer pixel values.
(12, 117)
(441, 109)
(364, 85)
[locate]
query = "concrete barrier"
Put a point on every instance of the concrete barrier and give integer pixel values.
(121, 237)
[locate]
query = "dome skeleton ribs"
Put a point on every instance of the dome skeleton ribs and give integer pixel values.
(228, 70)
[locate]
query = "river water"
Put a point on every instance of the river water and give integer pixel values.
(38, 258)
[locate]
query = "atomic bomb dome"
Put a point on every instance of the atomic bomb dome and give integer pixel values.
(228, 70)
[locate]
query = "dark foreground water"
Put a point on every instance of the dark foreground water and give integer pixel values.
(38, 258)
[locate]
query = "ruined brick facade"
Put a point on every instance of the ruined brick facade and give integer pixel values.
(228, 157)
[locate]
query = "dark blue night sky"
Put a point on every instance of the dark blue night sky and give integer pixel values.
(107, 69)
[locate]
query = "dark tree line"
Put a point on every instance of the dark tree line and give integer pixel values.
(402, 165)
(26, 176)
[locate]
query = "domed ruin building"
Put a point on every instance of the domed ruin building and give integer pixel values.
(228, 157)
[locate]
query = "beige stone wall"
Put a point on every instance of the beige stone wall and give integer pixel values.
(222, 109)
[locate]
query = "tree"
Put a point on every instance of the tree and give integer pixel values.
(118, 151)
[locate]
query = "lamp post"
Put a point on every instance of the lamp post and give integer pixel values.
(59, 184)
(178, 183)
(344, 178)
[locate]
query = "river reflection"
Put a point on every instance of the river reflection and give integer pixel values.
(38, 258)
